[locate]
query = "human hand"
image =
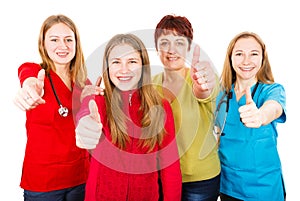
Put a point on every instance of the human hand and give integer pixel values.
(250, 115)
(30, 94)
(202, 73)
(89, 128)
(97, 89)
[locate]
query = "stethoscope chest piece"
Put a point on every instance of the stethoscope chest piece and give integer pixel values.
(63, 111)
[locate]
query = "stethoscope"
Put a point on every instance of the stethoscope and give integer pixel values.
(228, 96)
(63, 111)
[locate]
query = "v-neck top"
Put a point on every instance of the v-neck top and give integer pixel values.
(251, 168)
(52, 160)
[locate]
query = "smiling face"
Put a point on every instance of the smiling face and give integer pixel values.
(60, 44)
(125, 67)
(246, 58)
(172, 50)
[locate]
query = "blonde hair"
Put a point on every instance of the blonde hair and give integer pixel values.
(152, 117)
(78, 69)
(228, 76)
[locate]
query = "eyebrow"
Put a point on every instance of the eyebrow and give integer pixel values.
(68, 36)
(238, 50)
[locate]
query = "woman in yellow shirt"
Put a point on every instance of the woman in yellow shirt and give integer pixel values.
(191, 92)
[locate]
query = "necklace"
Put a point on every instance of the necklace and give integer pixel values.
(63, 111)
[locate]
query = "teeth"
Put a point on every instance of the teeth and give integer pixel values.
(124, 78)
(61, 54)
(172, 58)
(247, 68)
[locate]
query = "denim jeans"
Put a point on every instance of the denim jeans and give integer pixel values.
(207, 190)
(69, 194)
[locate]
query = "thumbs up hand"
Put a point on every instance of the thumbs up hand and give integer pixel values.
(250, 115)
(89, 128)
(202, 74)
(30, 94)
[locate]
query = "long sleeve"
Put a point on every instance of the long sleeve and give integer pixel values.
(170, 173)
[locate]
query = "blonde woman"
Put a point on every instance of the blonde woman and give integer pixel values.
(251, 168)
(130, 130)
(54, 168)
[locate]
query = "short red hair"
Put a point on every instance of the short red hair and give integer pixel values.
(178, 25)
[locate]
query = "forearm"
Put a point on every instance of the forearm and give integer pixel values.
(270, 111)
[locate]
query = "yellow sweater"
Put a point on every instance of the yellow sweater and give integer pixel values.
(193, 118)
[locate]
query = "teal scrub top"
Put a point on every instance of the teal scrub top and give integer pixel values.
(250, 163)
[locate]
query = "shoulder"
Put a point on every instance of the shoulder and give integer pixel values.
(274, 90)
(30, 65)
(273, 86)
(28, 69)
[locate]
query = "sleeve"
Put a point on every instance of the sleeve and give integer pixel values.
(276, 92)
(170, 173)
(28, 70)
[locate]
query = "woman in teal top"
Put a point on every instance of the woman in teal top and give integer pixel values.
(250, 163)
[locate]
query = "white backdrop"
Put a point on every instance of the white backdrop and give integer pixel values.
(215, 22)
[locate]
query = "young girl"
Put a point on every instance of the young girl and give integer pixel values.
(130, 129)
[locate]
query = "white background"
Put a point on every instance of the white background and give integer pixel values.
(215, 24)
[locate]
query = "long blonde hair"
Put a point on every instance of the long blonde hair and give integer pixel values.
(78, 69)
(153, 117)
(228, 76)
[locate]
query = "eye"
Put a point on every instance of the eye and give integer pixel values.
(238, 54)
(180, 43)
(69, 40)
(115, 62)
(164, 43)
(255, 54)
(53, 40)
(133, 61)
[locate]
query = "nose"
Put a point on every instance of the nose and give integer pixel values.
(62, 44)
(247, 60)
(172, 47)
(124, 67)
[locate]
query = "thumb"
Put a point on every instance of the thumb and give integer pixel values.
(40, 79)
(249, 99)
(94, 111)
(196, 56)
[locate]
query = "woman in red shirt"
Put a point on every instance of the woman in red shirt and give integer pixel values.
(54, 168)
(130, 130)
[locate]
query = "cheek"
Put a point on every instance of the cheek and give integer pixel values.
(236, 61)
(111, 74)
(182, 52)
(259, 62)
(139, 73)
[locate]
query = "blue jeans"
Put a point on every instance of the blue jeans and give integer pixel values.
(207, 190)
(69, 194)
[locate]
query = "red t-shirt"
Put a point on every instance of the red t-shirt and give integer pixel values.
(52, 160)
